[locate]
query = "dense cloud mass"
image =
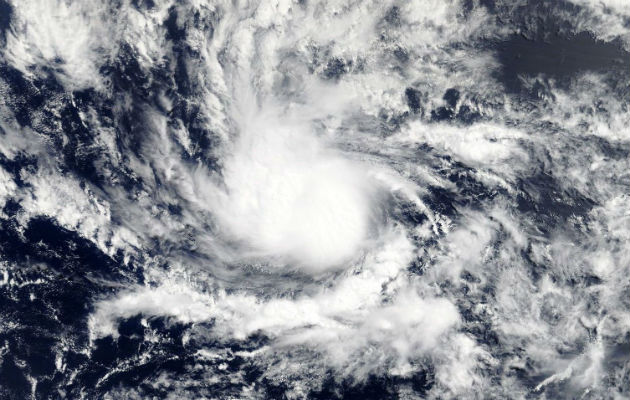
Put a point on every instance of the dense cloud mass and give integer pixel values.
(314, 199)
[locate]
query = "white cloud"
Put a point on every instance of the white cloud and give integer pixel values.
(68, 37)
(287, 195)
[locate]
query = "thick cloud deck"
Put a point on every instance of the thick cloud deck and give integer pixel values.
(288, 196)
